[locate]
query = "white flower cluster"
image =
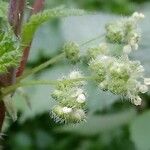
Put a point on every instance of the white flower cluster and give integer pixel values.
(120, 76)
(71, 99)
(125, 32)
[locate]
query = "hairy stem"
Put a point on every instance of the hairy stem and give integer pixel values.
(9, 89)
(16, 10)
(37, 7)
(42, 66)
(54, 60)
(15, 14)
(93, 39)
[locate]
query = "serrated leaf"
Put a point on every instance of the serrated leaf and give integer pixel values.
(10, 51)
(36, 20)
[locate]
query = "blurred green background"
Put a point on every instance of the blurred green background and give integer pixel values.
(113, 123)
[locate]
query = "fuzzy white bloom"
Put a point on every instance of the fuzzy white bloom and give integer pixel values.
(147, 81)
(138, 16)
(143, 88)
(75, 75)
(66, 110)
(127, 49)
(70, 98)
(79, 91)
(103, 57)
(79, 114)
(137, 101)
(81, 98)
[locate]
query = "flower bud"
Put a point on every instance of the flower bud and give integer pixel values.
(143, 88)
(147, 81)
(137, 100)
(72, 50)
(70, 98)
(93, 52)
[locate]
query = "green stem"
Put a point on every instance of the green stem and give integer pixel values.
(53, 60)
(93, 39)
(42, 66)
(12, 88)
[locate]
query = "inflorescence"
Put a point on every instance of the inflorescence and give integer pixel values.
(71, 99)
(115, 73)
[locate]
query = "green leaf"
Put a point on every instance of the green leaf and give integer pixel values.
(140, 131)
(36, 20)
(3, 9)
(10, 52)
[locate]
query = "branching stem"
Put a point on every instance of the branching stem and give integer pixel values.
(53, 60)
(12, 88)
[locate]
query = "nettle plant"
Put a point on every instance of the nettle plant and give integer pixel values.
(110, 66)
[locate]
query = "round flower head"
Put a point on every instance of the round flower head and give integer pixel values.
(118, 75)
(147, 81)
(72, 50)
(93, 52)
(99, 66)
(125, 32)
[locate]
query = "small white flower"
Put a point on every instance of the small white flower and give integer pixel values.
(79, 91)
(138, 16)
(75, 75)
(136, 46)
(140, 69)
(147, 81)
(137, 101)
(81, 98)
(135, 14)
(104, 58)
(143, 88)
(142, 16)
(66, 110)
(127, 49)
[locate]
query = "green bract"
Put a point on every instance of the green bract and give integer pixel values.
(36, 20)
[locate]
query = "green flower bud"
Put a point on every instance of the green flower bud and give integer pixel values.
(93, 52)
(99, 66)
(72, 50)
(125, 32)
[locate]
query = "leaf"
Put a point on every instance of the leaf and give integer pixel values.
(37, 19)
(101, 123)
(3, 9)
(140, 131)
(10, 52)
